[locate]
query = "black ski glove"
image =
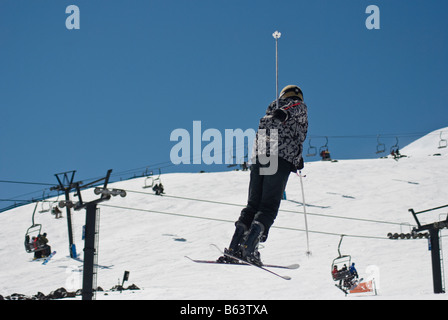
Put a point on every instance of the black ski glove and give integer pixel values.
(301, 164)
(280, 114)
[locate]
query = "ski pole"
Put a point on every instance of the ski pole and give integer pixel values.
(308, 252)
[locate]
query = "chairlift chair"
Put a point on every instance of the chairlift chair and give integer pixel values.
(33, 231)
(312, 151)
(340, 262)
(323, 151)
(344, 276)
(381, 147)
(150, 181)
(47, 205)
(324, 147)
(395, 147)
(44, 206)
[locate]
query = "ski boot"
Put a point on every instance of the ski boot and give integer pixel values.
(235, 245)
(250, 251)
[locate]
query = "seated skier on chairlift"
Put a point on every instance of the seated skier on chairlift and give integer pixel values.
(158, 189)
(44, 243)
(353, 271)
(349, 282)
(325, 154)
(350, 278)
(57, 213)
(40, 246)
(28, 243)
(335, 272)
(346, 275)
(36, 247)
(395, 153)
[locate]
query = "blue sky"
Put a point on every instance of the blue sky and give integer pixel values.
(108, 96)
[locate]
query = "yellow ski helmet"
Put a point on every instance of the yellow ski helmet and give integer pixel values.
(291, 91)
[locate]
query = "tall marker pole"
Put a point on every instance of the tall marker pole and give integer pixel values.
(276, 36)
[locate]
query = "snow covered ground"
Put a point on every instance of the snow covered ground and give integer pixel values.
(150, 235)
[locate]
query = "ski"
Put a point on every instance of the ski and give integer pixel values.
(254, 265)
(290, 267)
(49, 257)
(355, 285)
(349, 290)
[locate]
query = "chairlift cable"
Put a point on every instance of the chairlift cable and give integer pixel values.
(282, 210)
(372, 136)
(17, 200)
(24, 182)
(232, 221)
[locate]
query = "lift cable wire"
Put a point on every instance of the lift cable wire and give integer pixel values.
(231, 221)
(22, 182)
(17, 200)
(375, 136)
(167, 164)
(282, 210)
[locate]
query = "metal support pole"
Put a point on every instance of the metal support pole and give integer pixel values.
(91, 231)
(434, 230)
(435, 259)
(69, 224)
(66, 184)
(89, 252)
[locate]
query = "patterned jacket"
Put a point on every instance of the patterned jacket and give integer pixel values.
(291, 132)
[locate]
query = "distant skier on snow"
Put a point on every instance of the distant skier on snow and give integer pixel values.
(288, 115)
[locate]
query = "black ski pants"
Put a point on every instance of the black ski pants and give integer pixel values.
(265, 194)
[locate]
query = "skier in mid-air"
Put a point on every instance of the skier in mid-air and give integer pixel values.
(286, 121)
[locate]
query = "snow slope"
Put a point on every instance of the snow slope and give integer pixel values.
(149, 235)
